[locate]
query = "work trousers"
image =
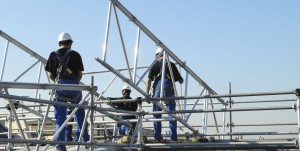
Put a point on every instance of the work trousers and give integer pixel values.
(60, 113)
(125, 130)
(170, 105)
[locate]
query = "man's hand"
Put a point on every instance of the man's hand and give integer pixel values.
(148, 84)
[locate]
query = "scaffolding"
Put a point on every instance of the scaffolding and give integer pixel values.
(209, 133)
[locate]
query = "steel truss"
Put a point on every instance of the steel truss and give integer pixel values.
(94, 101)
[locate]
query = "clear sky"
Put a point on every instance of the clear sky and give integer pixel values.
(253, 44)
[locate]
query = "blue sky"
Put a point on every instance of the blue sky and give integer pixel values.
(254, 44)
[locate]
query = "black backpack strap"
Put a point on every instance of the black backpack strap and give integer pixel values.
(63, 60)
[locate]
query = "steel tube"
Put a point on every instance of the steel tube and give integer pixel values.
(254, 133)
(104, 49)
(223, 110)
(185, 90)
(92, 116)
(4, 60)
(136, 120)
(43, 101)
(23, 85)
(20, 141)
(230, 113)
(162, 85)
(38, 79)
(136, 52)
(240, 102)
(122, 41)
(205, 115)
(240, 125)
(223, 95)
(120, 69)
(140, 125)
(9, 136)
(23, 47)
(215, 118)
(224, 122)
(298, 112)
(115, 101)
(226, 145)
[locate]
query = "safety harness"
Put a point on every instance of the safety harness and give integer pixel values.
(158, 78)
(63, 72)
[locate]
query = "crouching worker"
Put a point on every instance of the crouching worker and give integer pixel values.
(129, 106)
(65, 66)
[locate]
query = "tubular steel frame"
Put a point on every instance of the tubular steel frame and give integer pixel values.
(95, 100)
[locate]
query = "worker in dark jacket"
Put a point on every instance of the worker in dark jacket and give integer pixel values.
(155, 75)
(65, 66)
(129, 106)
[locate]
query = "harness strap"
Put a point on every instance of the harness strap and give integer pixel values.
(72, 100)
(165, 88)
(63, 71)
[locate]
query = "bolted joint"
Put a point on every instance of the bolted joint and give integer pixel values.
(230, 124)
(183, 64)
(17, 103)
(142, 113)
(8, 107)
(93, 108)
(148, 100)
(139, 100)
(297, 92)
(295, 107)
(133, 18)
(230, 102)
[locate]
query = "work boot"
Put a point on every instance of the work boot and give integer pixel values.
(199, 139)
(124, 139)
(157, 141)
(174, 142)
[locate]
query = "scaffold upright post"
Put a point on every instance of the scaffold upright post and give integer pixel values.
(297, 92)
(140, 123)
(185, 91)
(224, 122)
(9, 135)
(38, 79)
(230, 113)
(92, 115)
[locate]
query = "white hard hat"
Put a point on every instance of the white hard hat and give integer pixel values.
(64, 36)
(158, 50)
(126, 87)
